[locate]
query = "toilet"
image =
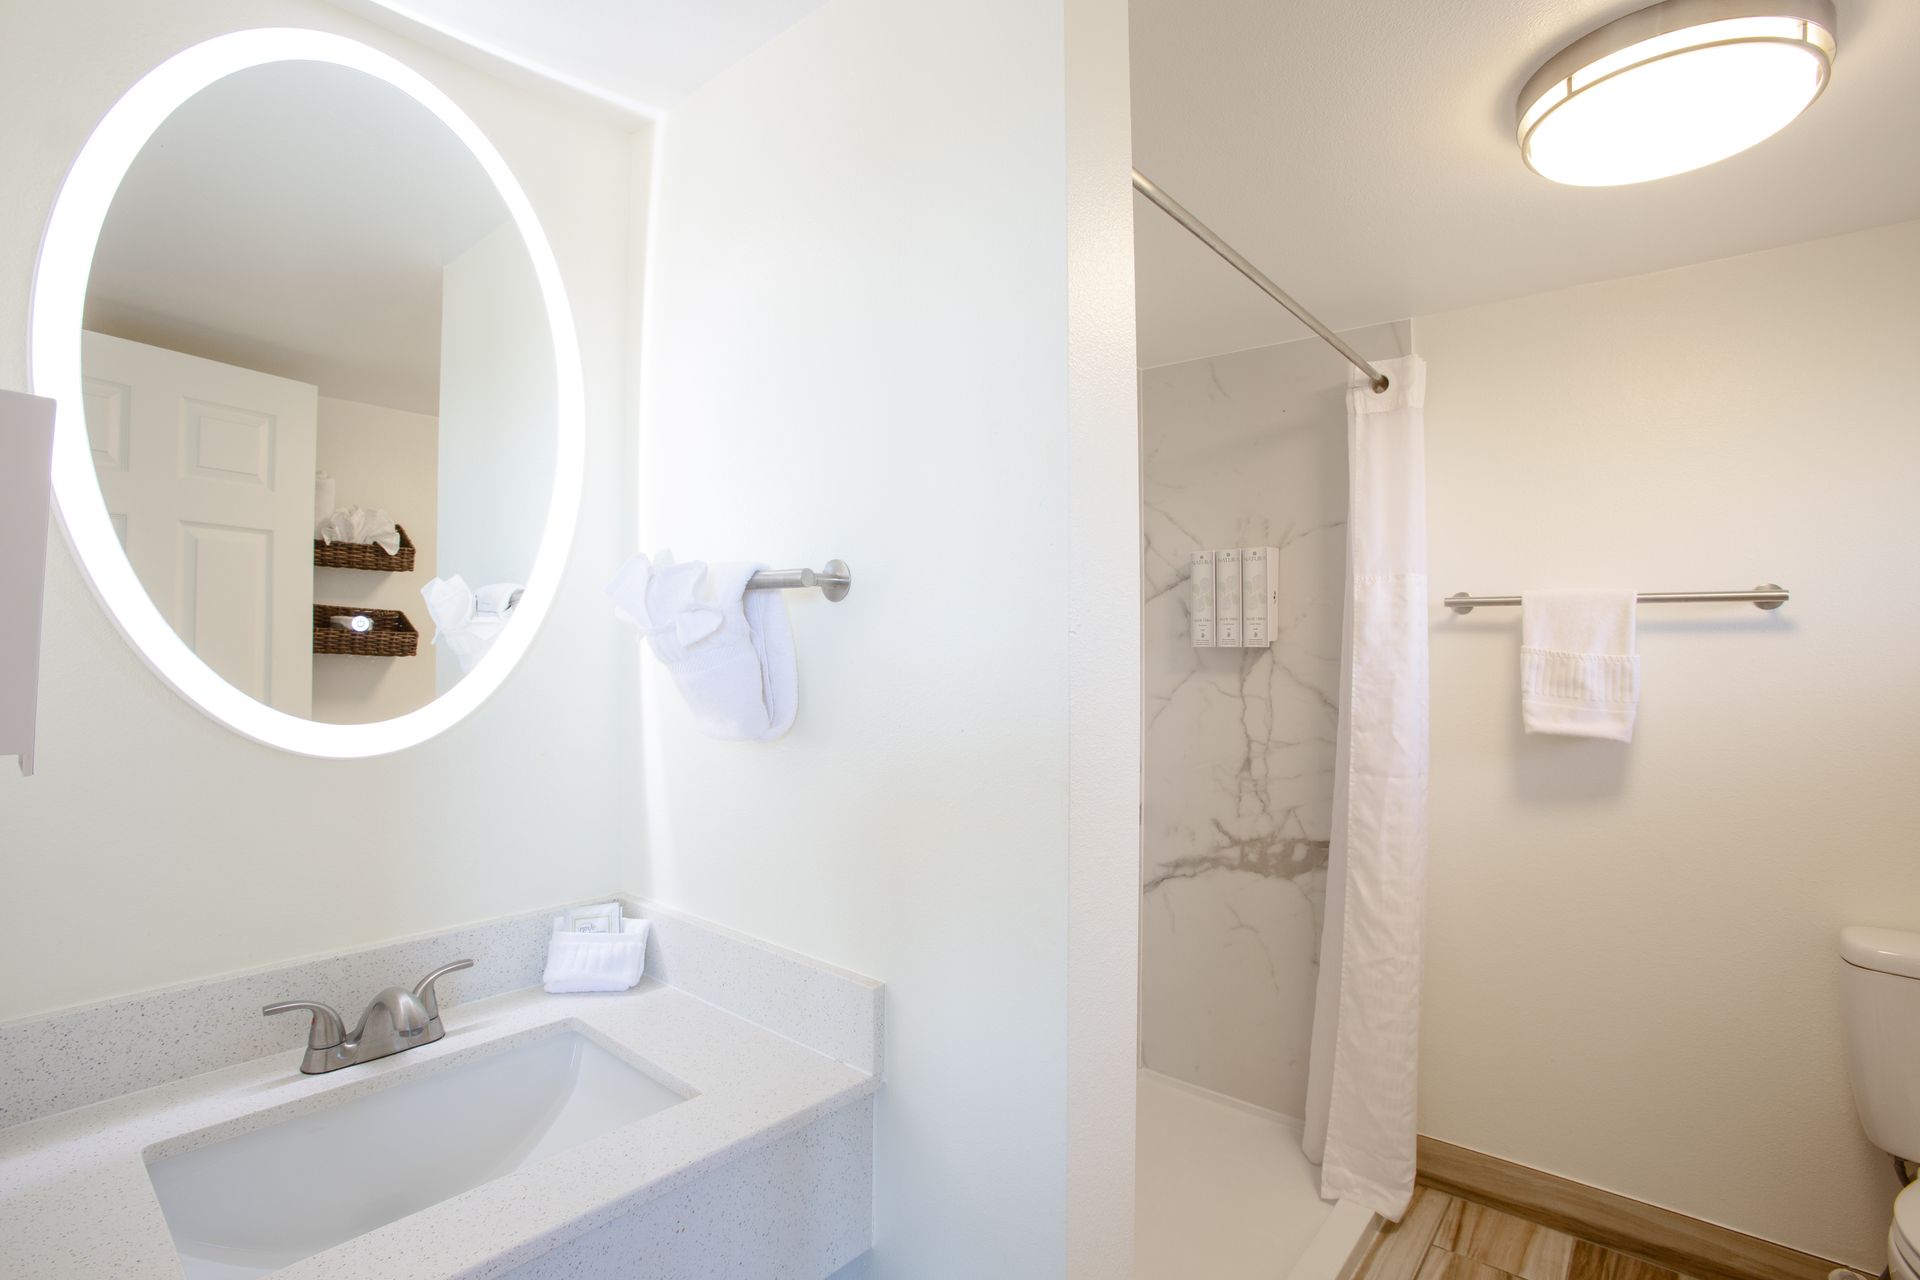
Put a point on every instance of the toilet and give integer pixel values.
(1881, 983)
(1903, 1256)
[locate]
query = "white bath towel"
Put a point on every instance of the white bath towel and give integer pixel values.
(729, 650)
(1579, 674)
(595, 961)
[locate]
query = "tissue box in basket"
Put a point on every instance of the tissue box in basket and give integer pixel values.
(595, 961)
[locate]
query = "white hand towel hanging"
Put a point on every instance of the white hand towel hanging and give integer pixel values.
(1579, 674)
(729, 650)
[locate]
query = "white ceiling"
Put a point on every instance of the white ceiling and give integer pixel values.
(295, 219)
(1361, 153)
(642, 56)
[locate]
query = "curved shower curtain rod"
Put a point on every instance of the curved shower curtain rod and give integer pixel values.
(1204, 234)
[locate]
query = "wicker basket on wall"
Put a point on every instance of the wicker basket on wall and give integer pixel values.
(392, 635)
(364, 555)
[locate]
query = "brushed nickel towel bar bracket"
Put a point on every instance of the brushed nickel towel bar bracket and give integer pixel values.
(834, 581)
(1768, 595)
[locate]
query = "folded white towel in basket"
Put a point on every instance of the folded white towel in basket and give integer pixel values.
(595, 961)
(365, 525)
(729, 650)
(1579, 674)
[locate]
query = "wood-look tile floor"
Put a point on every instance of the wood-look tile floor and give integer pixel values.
(1443, 1238)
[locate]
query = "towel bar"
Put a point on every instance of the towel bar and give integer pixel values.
(834, 581)
(1768, 595)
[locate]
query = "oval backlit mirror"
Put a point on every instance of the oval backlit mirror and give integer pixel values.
(319, 435)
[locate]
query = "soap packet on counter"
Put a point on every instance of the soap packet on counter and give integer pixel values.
(599, 917)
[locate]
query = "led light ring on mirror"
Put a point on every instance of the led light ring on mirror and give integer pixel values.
(1714, 36)
(59, 300)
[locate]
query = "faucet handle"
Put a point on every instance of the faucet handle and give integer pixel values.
(423, 990)
(326, 1032)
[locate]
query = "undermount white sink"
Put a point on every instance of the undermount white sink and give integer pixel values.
(251, 1204)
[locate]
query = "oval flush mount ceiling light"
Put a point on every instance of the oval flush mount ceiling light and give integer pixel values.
(1673, 87)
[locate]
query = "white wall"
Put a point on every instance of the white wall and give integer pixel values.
(1632, 977)
(378, 457)
(857, 345)
(190, 851)
(1103, 647)
(496, 408)
(496, 403)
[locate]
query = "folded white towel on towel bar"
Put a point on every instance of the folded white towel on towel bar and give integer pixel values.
(729, 650)
(1579, 674)
(595, 961)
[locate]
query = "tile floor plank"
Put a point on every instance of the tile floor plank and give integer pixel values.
(1592, 1262)
(1441, 1265)
(1500, 1240)
(1402, 1247)
(1446, 1238)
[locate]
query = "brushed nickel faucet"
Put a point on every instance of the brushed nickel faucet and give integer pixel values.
(396, 1021)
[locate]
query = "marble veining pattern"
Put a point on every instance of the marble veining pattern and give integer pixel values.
(1241, 450)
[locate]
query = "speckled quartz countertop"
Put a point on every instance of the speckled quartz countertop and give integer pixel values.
(75, 1200)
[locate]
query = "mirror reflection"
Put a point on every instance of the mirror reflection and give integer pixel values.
(320, 391)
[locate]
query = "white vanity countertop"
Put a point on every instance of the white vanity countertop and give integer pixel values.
(75, 1200)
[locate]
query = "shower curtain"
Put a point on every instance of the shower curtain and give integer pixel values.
(1361, 1079)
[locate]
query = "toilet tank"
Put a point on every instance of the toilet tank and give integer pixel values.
(1881, 981)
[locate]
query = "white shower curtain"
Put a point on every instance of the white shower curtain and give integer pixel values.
(1361, 1121)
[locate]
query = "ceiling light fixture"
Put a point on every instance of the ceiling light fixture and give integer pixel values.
(1674, 87)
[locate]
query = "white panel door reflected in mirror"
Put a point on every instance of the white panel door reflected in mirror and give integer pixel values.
(328, 409)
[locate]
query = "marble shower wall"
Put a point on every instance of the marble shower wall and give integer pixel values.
(1242, 450)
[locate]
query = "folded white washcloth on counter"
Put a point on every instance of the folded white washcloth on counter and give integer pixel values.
(729, 650)
(362, 525)
(1579, 674)
(595, 961)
